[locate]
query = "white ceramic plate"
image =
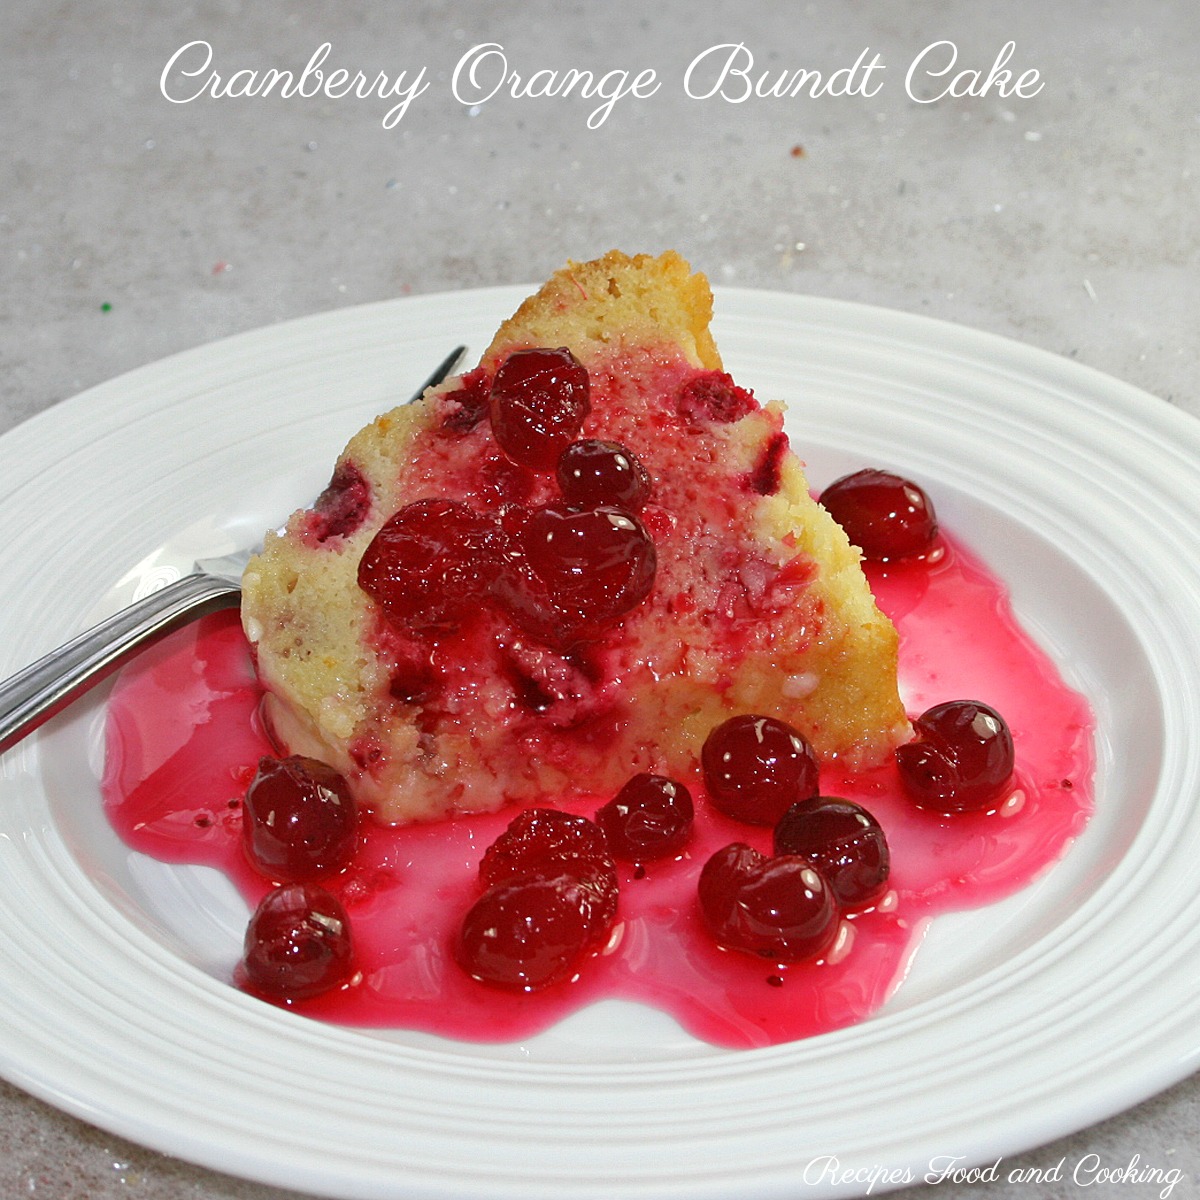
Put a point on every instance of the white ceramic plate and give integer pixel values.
(1018, 1023)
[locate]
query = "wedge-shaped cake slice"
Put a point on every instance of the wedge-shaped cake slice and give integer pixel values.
(472, 615)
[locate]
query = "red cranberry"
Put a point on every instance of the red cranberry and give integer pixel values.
(573, 572)
(551, 898)
(884, 515)
(298, 944)
(843, 841)
(592, 473)
(713, 396)
(780, 908)
(756, 768)
(539, 400)
(431, 565)
(343, 506)
(650, 817)
(299, 820)
(540, 841)
(767, 476)
(527, 935)
(961, 759)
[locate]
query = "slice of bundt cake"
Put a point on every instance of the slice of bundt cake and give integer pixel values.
(566, 567)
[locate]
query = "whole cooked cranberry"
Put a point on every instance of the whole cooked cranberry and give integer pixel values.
(551, 899)
(298, 944)
(756, 768)
(299, 820)
(431, 565)
(592, 473)
(539, 841)
(884, 515)
(843, 841)
(650, 817)
(545, 843)
(780, 908)
(572, 572)
(961, 759)
(599, 560)
(539, 401)
(526, 935)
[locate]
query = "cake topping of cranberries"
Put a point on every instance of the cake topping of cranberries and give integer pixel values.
(713, 396)
(551, 899)
(299, 819)
(756, 768)
(431, 565)
(961, 759)
(843, 841)
(572, 572)
(592, 472)
(886, 516)
(650, 817)
(780, 908)
(539, 401)
(298, 944)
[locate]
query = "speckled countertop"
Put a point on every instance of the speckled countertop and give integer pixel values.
(131, 227)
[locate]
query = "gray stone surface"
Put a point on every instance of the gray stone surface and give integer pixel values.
(131, 227)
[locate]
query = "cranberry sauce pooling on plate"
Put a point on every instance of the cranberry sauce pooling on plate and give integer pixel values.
(566, 688)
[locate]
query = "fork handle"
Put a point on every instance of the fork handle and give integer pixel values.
(35, 694)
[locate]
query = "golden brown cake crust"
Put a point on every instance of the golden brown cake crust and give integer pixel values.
(613, 301)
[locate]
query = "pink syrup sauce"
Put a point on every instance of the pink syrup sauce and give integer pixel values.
(183, 742)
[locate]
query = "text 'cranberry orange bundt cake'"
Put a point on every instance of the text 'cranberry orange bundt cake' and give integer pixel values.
(565, 567)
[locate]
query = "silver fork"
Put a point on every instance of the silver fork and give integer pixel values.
(34, 694)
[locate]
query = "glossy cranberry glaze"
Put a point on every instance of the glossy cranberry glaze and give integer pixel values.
(431, 565)
(538, 402)
(299, 820)
(961, 758)
(591, 473)
(780, 908)
(297, 944)
(757, 767)
(843, 841)
(169, 799)
(886, 516)
(650, 817)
